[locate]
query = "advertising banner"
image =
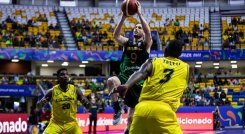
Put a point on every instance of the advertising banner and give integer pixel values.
(228, 115)
(17, 90)
(17, 123)
(13, 124)
(188, 121)
(104, 122)
(195, 121)
(77, 55)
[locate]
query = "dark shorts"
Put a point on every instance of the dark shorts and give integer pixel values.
(133, 94)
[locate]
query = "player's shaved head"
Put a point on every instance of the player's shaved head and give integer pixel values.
(173, 48)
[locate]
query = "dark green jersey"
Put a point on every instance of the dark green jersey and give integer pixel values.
(134, 55)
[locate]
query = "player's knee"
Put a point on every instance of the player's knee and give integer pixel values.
(110, 81)
(113, 81)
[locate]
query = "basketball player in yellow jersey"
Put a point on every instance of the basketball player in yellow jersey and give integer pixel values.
(165, 81)
(64, 98)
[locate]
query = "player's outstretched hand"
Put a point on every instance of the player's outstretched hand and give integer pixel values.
(122, 89)
(139, 8)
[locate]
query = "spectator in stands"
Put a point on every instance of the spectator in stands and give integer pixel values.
(199, 78)
(200, 35)
(216, 95)
(222, 95)
(45, 114)
(225, 82)
(176, 23)
(110, 29)
(165, 32)
(231, 42)
(197, 96)
(57, 26)
(241, 33)
(9, 42)
(211, 101)
(220, 82)
(243, 87)
(110, 42)
(16, 77)
(227, 102)
(167, 22)
(179, 33)
(234, 21)
(235, 28)
(112, 20)
(9, 20)
(215, 79)
(105, 35)
(201, 28)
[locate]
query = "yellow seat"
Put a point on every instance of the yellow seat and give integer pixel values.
(87, 48)
(93, 48)
(111, 48)
(105, 48)
(234, 103)
(241, 99)
(99, 48)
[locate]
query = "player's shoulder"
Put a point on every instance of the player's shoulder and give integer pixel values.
(156, 59)
(184, 63)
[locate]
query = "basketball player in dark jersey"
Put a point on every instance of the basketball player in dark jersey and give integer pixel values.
(135, 53)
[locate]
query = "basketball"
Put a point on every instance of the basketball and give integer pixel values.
(129, 7)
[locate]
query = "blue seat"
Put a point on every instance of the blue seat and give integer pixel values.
(240, 103)
(109, 110)
(81, 109)
(236, 93)
(235, 99)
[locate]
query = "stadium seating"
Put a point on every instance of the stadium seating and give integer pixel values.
(233, 29)
(31, 27)
(157, 18)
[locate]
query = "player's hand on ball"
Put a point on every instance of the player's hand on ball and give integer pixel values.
(121, 90)
(139, 8)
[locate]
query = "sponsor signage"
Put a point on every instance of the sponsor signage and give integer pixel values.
(17, 90)
(195, 121)
(74, 55)
(17, 123)
(104, 122)
(13, 123)
(188, 121)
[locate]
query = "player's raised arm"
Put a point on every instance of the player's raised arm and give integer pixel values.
(146, 28)
(144, 71)
(117, 32)
(83, 99)
(47, 97)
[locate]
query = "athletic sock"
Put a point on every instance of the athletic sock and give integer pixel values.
(116, 107)
(126, 131)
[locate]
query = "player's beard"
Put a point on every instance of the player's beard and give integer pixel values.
(136, 36)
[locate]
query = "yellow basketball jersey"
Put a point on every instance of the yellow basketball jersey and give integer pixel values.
(64, 104)
(167, 82)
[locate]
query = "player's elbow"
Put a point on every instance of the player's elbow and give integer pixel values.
(116, 36)
(143, 74)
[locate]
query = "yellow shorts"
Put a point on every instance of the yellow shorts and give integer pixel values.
(153, 117)
(68, 128)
